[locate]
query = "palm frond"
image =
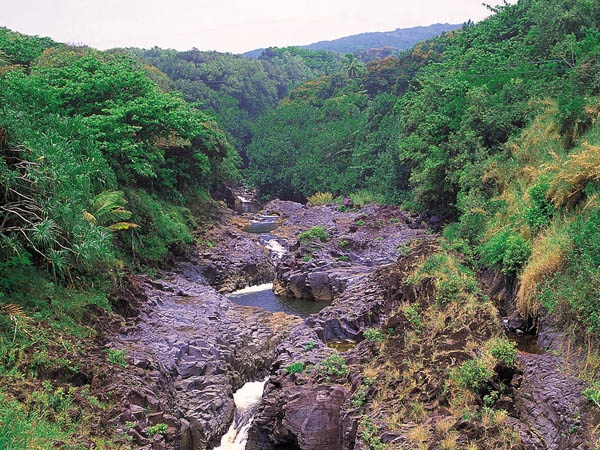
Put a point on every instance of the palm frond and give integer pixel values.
(122, 226)
(109, 206)
(13, 311)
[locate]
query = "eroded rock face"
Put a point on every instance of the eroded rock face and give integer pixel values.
(549, 403)
(358, 242)
(200, 348)
(309, 409)
(235, 260)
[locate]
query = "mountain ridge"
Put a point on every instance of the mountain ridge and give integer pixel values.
(399, 39)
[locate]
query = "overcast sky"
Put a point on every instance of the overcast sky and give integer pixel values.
(224, 25)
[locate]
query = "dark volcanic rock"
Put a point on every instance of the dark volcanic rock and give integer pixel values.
(307, 410)
(358, 242)
(549, 403)
(236, 261)
(200, 348)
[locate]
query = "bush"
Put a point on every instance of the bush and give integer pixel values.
(159, 428)
(116, 357)
(413, 316)
(295, 367)
(506, 251)
(539, 211)
(374, 335)
(314, 233)
(473, 374)
(334, 365)
(163, 227)
(503, 350)
(593, 393)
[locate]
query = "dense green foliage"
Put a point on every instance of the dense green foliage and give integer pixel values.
(79, 123)
(236, 88)
(493, 126)
(99, 167)
(103, 163)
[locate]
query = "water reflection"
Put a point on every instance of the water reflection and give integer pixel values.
(263, 297)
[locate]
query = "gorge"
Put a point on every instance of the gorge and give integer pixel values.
(197, 347)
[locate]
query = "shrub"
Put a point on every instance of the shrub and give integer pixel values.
(538, 212)
(592, 393)
(163, 226)
(505, 250)
(413, 316)
(320, 199)
(159, 428)
(473, 374)
(309, 346)
(374, 335)
(503, 350)
(448, 289)
(116, 357)
(370, 434)
(295, 367)
(314, 233)
(359, 397)
(334, 365)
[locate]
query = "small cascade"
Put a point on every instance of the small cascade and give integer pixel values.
(242, 205)
(262, 227)
(247, 399)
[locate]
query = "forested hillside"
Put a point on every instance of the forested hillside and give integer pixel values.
(493, 127)
(108, 161)
(99, 170)
(240, 90)
(398, 39)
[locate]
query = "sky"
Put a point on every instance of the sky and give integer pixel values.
(233, 26)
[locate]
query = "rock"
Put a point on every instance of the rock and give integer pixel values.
(314, 416)
(549, 403)
(197, 349)
(333, 262)
(515, 322)
(347, 202)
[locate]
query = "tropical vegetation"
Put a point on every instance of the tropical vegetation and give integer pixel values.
(108, 161)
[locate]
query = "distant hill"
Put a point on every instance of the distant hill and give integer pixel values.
(399, 39)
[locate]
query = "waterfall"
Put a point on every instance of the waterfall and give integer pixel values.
(246, 399)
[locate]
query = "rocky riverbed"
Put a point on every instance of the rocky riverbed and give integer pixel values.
(371, 369)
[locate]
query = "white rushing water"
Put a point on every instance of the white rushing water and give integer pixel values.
(247, 399)
(274, 246)
(250, 289)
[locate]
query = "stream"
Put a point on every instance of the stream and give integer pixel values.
(248, 397)
(262, 295)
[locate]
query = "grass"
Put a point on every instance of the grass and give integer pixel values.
(320, 199)
(21, 429)
(364, 197)
(45, 337)
(547, 258)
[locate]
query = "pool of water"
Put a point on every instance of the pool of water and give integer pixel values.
(263, 297)
(260, 227)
